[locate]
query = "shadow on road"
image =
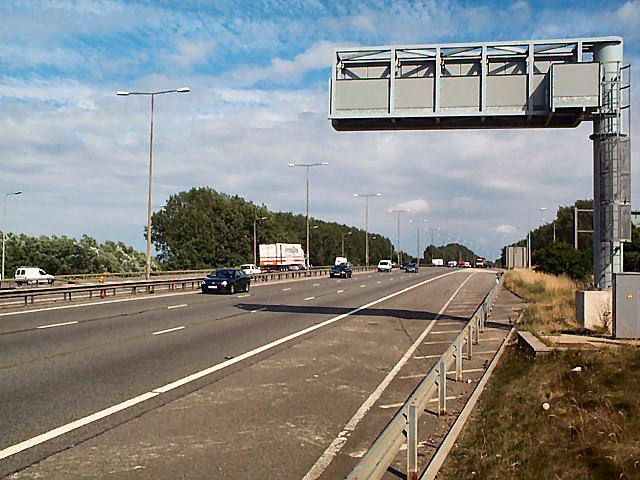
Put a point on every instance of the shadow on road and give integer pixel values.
(372, 312)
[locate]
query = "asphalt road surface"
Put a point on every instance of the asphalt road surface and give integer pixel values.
(257, 385)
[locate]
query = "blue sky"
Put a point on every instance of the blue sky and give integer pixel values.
(258, 72)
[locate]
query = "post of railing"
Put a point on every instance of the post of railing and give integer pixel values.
(412, 441)
(476, 331)
(442, 388)
(469, 348)
(458, 355)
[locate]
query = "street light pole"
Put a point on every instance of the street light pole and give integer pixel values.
(366, 222)
(307, 166)
(418, 239)
(122, 93)
(399, 212)
(348, 233)
(4, 222)
(255, 256)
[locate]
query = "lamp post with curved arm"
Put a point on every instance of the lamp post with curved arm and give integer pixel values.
(366, 222)
(343, 235)
(4, 221)
(123, 93)
(399, 212)
(307, 166)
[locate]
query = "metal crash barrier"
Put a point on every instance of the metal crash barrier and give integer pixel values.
(404, 425)
(133, 287)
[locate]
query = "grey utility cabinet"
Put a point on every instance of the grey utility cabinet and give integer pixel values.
(626, 305)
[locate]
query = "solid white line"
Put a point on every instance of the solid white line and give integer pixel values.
(340, 291)
(437, 399)
(332, 450)
(426, 357)
(176, 306)
(471, 370)
(259, 310)
(450, 323)
(436, 343)
(422, 375)
(57, 324)
(12, 450)
(168, 330)
(56, 432)
(245, 295)
(445, 331)
(310, 298)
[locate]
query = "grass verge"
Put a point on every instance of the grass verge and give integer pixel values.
(551, 300)
(591, 429)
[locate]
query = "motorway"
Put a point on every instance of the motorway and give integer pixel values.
(283, 369)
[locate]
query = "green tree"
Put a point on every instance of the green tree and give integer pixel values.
(203, 228)
(561, 258)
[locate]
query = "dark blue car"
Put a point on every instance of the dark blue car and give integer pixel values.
(230, 280)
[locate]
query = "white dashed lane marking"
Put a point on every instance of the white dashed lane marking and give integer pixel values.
(57, 325)
(168, 330)
(177, 306)
(310, 298)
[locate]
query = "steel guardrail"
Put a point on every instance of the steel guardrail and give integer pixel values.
(374, 463)
(149, 286)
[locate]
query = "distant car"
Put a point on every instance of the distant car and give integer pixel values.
(229, 280)
(404, 265)
(467, 265)
(250, 268)
(411, 268)
(32, 276)
(460, 264)
(451, 263)
(343, 270)
(384, 266)
(297, 266)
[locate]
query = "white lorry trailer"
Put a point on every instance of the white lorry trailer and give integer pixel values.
(281, 256)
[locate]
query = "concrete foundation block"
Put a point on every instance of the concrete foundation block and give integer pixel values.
(594, 309)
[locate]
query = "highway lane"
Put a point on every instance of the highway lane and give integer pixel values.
(55, 375)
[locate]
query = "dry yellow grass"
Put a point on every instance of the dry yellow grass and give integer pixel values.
(552, 300)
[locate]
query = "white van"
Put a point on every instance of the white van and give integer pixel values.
(341, 260)
(250, 268)
(384, 266)
(32, 276)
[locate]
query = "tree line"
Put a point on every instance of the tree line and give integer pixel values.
(558, 255)
(203, 228)
(65, 256)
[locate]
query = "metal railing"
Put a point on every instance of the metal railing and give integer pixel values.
(69, 292)
(404, 425)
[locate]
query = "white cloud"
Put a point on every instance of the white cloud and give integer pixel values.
(505, 229)
(193, 52)
(419, 205)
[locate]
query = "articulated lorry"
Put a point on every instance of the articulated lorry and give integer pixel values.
(281, 256)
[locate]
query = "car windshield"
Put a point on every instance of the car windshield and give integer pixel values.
(222, 273)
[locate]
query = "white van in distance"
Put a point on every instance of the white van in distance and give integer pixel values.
(384, 266)
(32, 276)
